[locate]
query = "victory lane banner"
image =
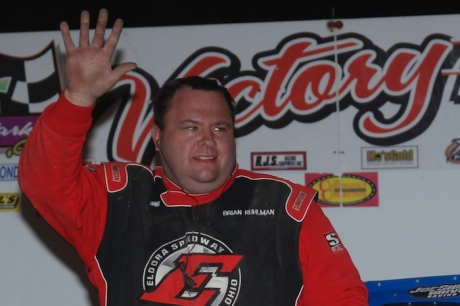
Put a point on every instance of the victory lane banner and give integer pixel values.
(388, 96)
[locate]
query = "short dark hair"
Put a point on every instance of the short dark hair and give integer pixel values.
(162, 101)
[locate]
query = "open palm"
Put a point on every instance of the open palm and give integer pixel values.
(88, 69)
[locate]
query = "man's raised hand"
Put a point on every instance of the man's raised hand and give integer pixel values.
(88, 69)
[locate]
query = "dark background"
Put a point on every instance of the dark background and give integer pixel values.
(27, 15)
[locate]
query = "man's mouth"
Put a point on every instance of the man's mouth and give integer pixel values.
(205, 158)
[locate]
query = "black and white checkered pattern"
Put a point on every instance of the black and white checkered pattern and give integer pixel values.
(28, 85)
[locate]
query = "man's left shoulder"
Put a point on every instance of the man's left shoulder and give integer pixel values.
(300, 197)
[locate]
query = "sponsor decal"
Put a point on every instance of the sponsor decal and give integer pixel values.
(439, 291)
(453, 152)
(195, 268)
(298, 206)
(350, 189)
(278, 161)
(116, 177)
(9, 202)
(299, 201)
(8, 172)
(15, 129)
(389, 157)
(334, 242)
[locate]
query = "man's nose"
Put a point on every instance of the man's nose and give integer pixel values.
(208, 138)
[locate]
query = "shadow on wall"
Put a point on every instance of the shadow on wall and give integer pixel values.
(58, 246)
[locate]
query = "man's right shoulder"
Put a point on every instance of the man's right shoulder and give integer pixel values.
(116, 174)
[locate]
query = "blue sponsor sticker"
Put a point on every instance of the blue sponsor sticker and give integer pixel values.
(8, 172)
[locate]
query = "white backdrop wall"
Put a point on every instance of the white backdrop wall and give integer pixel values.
(410, 230)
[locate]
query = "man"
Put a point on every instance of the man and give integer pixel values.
(197, 230)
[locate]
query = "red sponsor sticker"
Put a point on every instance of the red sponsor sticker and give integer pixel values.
(299, 201)
(115, 173)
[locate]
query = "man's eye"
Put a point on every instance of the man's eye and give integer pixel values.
(191, 128)
(219, 129)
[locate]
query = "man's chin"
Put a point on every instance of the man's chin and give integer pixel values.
(208, 183)
(206, 179)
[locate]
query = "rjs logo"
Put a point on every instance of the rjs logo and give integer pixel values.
(278, 161)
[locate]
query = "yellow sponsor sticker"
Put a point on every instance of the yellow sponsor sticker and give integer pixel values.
(9, 202)
(348, 190)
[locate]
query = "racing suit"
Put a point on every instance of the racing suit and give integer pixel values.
(257, 240)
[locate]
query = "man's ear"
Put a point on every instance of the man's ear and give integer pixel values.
(156, 133)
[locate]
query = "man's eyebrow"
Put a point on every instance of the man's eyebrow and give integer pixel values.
(192, 121)
(223, 122)
(187, 121)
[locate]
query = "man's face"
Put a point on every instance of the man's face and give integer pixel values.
(197, 144)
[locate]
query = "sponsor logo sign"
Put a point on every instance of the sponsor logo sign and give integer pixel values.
(278, 161)
(389, 157)
(350, 189)
(8, 172)
(9, 202)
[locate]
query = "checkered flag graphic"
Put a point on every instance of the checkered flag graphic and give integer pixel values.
(28, 85)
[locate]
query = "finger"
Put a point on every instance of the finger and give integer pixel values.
(84, 28)
(68, 43)
(112, 41)
(98, 39)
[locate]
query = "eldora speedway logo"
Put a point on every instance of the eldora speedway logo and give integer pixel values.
(194, 268)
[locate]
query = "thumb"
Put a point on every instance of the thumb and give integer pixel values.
(122, 69)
